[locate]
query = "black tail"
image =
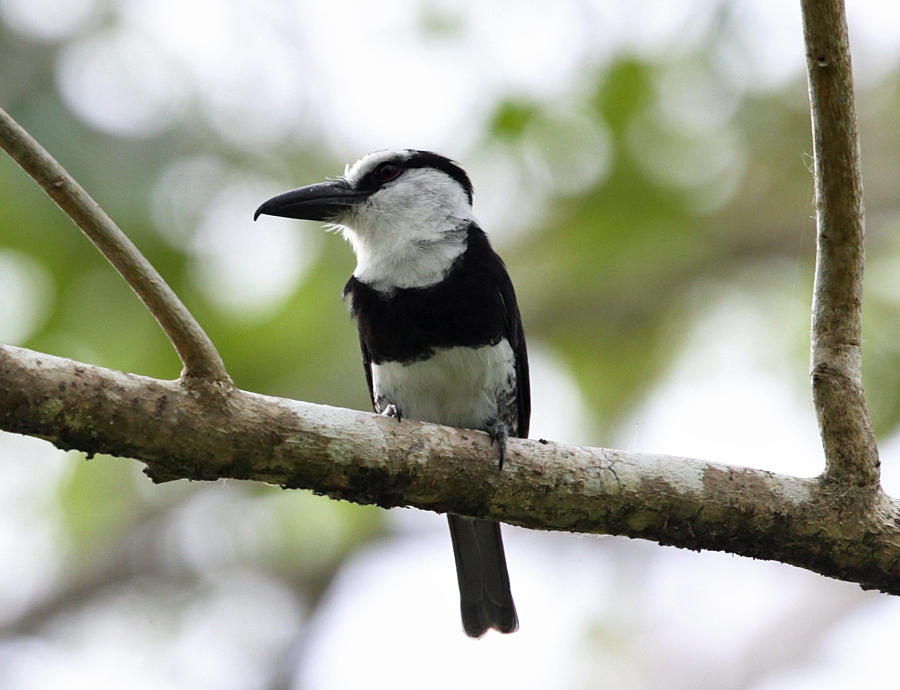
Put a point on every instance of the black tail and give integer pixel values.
(485, 597)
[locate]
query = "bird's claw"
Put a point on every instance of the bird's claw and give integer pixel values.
(499, 433)
(391, 410)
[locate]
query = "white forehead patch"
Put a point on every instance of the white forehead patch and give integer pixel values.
(354, 173)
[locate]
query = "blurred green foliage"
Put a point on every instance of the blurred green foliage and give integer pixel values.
(610, 278)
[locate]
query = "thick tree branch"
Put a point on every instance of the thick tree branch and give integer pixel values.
(197, 353)
(841, 524)
(851, 454)
(209, 431)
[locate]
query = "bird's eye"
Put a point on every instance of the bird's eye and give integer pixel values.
(387, 172)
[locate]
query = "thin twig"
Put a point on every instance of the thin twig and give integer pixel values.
(197, 353)
(851, 454)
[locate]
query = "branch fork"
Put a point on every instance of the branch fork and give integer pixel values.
(199, 357)
(840, 524)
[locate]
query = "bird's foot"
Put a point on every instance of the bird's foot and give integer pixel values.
(391, 410)
(498, 432)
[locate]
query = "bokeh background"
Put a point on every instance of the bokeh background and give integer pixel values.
(643, 168)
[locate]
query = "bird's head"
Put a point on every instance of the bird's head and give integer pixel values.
(404, 212)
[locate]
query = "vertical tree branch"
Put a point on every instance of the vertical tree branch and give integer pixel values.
(197, 353)
(851, 455)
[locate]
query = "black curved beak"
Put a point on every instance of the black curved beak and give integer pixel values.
(322, 201)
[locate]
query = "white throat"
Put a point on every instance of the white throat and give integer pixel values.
(409, 233)
(406, 265)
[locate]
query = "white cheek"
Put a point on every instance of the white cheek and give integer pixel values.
(419, 206)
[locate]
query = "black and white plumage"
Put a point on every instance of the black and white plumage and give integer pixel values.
(439, 327)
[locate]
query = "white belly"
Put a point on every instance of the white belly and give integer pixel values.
(458, 386)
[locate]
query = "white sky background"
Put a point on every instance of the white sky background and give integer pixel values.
(360, 77)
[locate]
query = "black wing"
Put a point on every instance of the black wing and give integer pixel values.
(515, 334)
(493, 270)
(367, 365)
(366, 356)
